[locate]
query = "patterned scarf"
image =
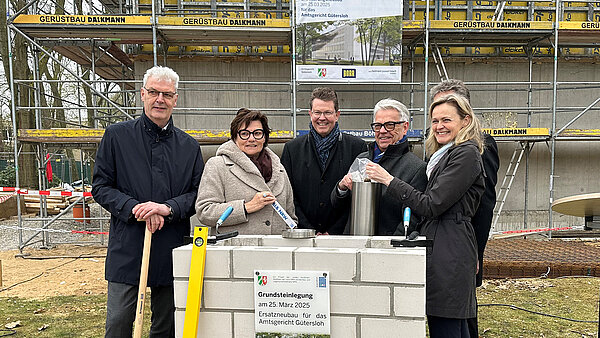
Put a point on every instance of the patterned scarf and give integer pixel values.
(436, 157)
(264, 164)
(324, 144)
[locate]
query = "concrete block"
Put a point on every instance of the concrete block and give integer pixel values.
(409, 301)
(247, 259)
(210, 324)
(246, 240)
(391, 328)
(236, 295)
(342, 327)
(360, 300)
(182, 256)
(341, 263)
(215, 324)
(243, 325)
(277, 240)
(180, 288)
(394, 266)
(383, 242)
(179, 319)
(223, 242)
(218, 262)
(217, 265)
(358, 242)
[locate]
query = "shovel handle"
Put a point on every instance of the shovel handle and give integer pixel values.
(141, 301)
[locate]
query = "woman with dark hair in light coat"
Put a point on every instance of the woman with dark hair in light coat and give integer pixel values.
(248, 176)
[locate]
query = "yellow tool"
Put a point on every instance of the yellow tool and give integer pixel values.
(194, 295)
(195, 282)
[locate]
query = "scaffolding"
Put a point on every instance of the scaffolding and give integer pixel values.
(103, 44)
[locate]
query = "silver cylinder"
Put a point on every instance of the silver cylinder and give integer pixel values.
(364, 210)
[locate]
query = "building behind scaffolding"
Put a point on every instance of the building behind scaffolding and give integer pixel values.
(531, 67)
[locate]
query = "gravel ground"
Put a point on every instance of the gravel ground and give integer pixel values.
(9, 238)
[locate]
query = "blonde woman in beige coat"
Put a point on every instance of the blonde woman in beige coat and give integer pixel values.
(248, 176)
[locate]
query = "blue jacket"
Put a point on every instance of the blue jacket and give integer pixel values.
(138, 162)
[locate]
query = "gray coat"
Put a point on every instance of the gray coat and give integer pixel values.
(231, 179)
(448, 203)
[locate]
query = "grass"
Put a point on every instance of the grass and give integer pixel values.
(574, 298)
(65, 316)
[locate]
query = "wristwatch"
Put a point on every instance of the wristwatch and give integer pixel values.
(170, 217)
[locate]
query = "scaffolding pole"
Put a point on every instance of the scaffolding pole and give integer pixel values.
(554, 103)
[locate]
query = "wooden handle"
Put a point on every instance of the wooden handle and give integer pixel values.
(139, 311)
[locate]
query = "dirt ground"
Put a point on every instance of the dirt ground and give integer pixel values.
(61, 276)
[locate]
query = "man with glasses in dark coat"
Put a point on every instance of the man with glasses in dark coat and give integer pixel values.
(315, 162)
(146, 175)
(391, 151)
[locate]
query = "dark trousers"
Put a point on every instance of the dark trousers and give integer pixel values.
(473, 327)
(120, 310)
(440, 327)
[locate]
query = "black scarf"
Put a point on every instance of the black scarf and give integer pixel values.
(264, 164)
(324, 144)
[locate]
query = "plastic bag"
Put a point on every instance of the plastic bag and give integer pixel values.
(358, 170)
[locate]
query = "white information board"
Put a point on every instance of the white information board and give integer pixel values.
(349, 74)
(291, 301)
(331, 10)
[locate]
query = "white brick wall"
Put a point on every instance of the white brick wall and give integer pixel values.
(360, 299)
(245, 240)
(234, 295)
(382, 242)
(343, 327)
(394, 266)
(210, 324)
(247, 259)
(217, 265)
(391, 328)
(277, 240)
(408, 301)
(243, 325)
(357, 242)
(375, 290)
(341, 263)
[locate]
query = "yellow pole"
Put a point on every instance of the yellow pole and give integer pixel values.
(194, 295)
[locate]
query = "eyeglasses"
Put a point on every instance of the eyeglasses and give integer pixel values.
(155, 93)
(389, 126)
(326, 113)
(258, 134)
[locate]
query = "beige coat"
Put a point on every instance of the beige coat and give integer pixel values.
(231, 179)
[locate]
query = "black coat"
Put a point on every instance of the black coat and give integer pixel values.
(138, 162)
(450, 200)
(482, 221)
(401, 163)
(312, 186)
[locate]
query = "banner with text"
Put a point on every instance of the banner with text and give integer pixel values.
(291, 302)
(339, 73)
(331, 10)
